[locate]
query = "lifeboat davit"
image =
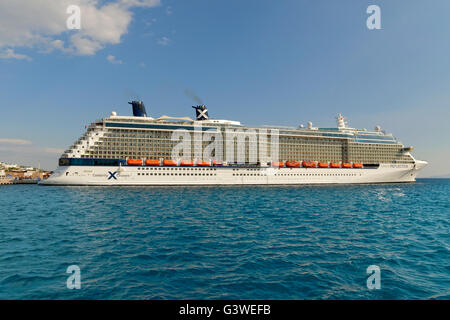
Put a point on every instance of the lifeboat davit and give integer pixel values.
(292, 164)
(217, 163)
(204, 163)
(169, 163)
(134, 162)
(346, 165)
(149, 162)
(357, 165)
(277, 164)
(309, 164)
(186, 163)
(323, 164)
(334, 165)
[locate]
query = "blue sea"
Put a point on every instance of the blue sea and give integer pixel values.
(308, 242)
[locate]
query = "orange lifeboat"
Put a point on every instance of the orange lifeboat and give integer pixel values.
(309, 164)
(334, 165)
(134, 162)
(149, 162)
(346, 165)
(169, 163)
(323, 164)
(217, 163)
(204, 163)
(357, 165)
(186, 163)
(278, 164)
(292, 164)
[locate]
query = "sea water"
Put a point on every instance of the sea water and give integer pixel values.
(237, 242)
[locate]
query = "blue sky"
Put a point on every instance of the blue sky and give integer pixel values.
(256, 61)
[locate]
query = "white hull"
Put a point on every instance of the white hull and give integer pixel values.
(169, 176)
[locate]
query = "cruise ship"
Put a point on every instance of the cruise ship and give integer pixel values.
(141, 150)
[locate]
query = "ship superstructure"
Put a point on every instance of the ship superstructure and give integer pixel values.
(141, 150)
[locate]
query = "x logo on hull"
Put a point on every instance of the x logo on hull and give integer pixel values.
(112, 175)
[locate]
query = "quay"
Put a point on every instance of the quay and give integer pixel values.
(6, 181)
